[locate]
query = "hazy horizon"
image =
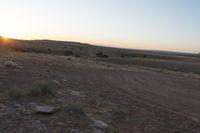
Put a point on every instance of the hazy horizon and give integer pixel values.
(172, 25)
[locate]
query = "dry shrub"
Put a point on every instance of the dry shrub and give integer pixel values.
(74, 108)
(10, 64)
(36, 90)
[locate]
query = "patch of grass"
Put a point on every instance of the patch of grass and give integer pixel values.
(15, 94)
(40, 89)
(49, 50)
(118, 112)
(69, 53)
(124, 55)
(78, 56)
(74, 108)
(102, 55)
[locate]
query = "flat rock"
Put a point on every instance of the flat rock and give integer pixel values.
(97, 124)
(76, 93)
(98, 131)
(100, 124)
(45, 109)
(56, 82)
(75, 131)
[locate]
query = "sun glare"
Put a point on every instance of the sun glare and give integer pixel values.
(5, 38)
(8, 29)
(7, 35)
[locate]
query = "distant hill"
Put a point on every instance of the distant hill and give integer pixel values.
(183, 62)
(85, 49)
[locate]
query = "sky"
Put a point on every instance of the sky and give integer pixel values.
(169, 25)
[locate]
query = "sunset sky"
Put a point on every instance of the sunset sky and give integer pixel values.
(171, 25)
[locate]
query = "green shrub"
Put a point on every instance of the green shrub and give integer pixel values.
(68, 53)
(102, 55)
(119, 112)
(78, 56)
(40, 90)
(15, 94)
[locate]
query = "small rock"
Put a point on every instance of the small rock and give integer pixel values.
(61, 124)
(64, 80)
(195, 119)
(75, 131)
(45, 109)
(76, 93)
(56, 82)
(61, 92)
(100, 124)
(97, 124)
(61, 99)
(98, 131)
(28, 113)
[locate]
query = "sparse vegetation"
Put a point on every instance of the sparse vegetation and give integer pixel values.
(40, 89)
(102, 55)
(14, 94)
(68, 53)
(118, 112)
(102, 90)
(49, 50)
(144, 56)
(10, 64)
(124, 55)
(134, 56)
(74, 108)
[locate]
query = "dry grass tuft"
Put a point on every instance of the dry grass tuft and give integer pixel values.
(41, 89)
(74, 109)
(10, 64)
(36, 90)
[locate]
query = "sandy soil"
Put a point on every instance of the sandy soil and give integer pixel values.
(129, 99)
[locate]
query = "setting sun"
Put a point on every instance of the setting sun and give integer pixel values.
(7, 35)
(12, 24)
(7, 32)
(5, 38)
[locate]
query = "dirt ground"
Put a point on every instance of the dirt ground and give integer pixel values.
(116, 98)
